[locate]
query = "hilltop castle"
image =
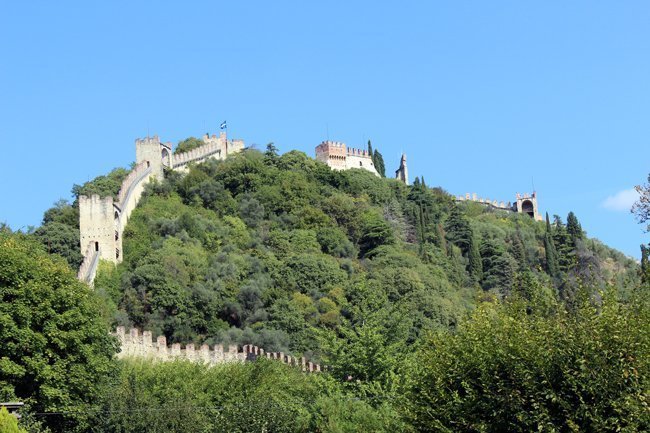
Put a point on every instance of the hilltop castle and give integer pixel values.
(341, 157)
(338, 156)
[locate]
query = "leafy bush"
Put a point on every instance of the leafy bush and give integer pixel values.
(510, 368)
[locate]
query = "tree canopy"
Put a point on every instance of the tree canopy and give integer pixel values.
(56, 352)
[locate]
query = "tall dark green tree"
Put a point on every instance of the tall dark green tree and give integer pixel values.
(271, 154)
(498, 267)
(552, 266)
(566, 256)
(645, 264)
(518, 250)
(378, 160)
(475, 262)
(574, 229)
(458, 229)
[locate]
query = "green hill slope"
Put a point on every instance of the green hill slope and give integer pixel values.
(282, 252)
(429, 314)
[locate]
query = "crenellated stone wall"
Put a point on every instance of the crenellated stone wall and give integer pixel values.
(493, 203)
(130, 193)
(142, 345)
(526, 203)
(217, 147)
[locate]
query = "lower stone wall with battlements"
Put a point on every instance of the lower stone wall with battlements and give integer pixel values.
(493, 203)
(525, 204)
(135, 344)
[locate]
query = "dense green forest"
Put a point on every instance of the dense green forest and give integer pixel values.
(431, 314)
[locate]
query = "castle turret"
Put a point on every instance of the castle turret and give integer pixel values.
(153, 152)
(527, 203)
(333, 154)
(97, 226)
(402, 172)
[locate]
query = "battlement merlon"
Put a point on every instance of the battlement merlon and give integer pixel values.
(353, 151)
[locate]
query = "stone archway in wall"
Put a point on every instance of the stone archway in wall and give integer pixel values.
(528, 208)
(166, 159)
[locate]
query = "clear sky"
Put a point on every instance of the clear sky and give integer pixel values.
(483, 96)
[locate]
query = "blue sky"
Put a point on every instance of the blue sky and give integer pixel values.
(483, 97)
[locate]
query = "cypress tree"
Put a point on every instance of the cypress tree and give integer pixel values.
(378, 160)
(441, 236)
(564, 250)
(475, 262)
(518, 250)
(458, 229)
(551, 253)
(574, 229)
(645, 264)
(498, 267)
(271, 154)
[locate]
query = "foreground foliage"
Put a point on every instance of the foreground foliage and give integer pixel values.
(56, 352)
(511, 368)
(252, 397)
(375, 279)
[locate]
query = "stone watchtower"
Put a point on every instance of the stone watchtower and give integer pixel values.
(157, 155)
(97, 227)
(527, 203)
(402, 172)
(333, 154)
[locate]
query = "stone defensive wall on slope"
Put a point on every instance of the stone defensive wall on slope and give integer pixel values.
(131, 191)
(141, 345)
(525, 203)
(102, 220)
(197, 154)
(88, 268)
(492, 203)
(215, 147)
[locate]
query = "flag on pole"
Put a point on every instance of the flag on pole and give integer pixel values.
(223, 125)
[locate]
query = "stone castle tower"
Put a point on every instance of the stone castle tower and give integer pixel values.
(340, 157)
(527, 203)
(402, 172)
(155, 154)
(97, 232)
